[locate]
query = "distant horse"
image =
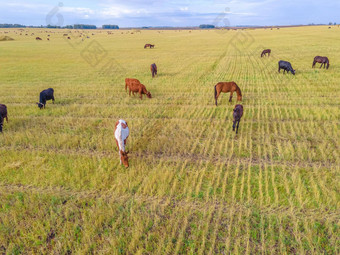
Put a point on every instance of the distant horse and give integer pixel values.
(237, 115)
(227, 87)
(267, 51)
(38, 38)
(149, 45)
(322, 60)
(153, 69)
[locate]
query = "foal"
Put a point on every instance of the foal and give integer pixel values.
(237, 114)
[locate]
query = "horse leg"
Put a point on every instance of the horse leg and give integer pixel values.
(1, 123)
(6, 118)
(129, 92)
(231, 95)
(217, 95)
(53, 99)
(140, 93)
(321, 65)
(279, 69)
(238, 123)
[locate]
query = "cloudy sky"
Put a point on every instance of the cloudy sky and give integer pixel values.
(137, 13)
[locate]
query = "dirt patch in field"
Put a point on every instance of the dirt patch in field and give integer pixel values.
(6, 38)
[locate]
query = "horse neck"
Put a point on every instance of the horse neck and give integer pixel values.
(238, 91)
(121, 144)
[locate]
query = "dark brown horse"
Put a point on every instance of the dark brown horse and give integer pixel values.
(227, 87)
(264, 52)
(237, 115)
(149, 45)
(153, 69)
(322, 60)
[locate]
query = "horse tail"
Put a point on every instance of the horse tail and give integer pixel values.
(215, 95)
(327, 63)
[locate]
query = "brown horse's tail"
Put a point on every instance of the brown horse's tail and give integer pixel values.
(215, 95)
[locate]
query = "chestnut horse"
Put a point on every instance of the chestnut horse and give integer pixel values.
(135, 86)
(322, 60)
(268, 51)
(227, 87)
(237, 115)
(121, 134)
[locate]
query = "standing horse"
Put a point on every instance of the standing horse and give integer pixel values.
(227, 87)
(121, 134)
(153, 69)
(322, 60)
(237, 115)
(267, 51)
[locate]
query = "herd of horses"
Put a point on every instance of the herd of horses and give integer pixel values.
(122, 131)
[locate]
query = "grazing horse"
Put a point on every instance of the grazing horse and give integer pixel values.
(3, 115)
(322, 60)
(286, 66)
(149, 45)
(38, 39)
(227, 87)
(121, 134)
(135, 86)
(264, 52)
(153, 69)
(45, 95)
(237, 115)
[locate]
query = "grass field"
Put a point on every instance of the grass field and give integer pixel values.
(192, 187)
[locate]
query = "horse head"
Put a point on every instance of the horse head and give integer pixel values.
(148, 94)
(124, 158)
(40, 105)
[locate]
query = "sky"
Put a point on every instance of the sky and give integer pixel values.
(138, 13)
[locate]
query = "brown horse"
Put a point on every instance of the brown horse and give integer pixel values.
(134, 85)
(227, 87)
(322, 60)
(267, 51)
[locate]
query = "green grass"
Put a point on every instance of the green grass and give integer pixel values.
(192, 187)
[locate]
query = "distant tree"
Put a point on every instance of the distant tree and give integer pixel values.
(334, 23)
(50, 26)
(206, 26)
(330, 23)
(83, 26)
(68, 27)
(10, 25)
(110, 26)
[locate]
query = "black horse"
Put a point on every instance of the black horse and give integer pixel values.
(237, 115)
(45, 95)
(153, 69)
(286, 66)
(3, 115)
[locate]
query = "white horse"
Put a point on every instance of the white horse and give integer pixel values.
(121, 134)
